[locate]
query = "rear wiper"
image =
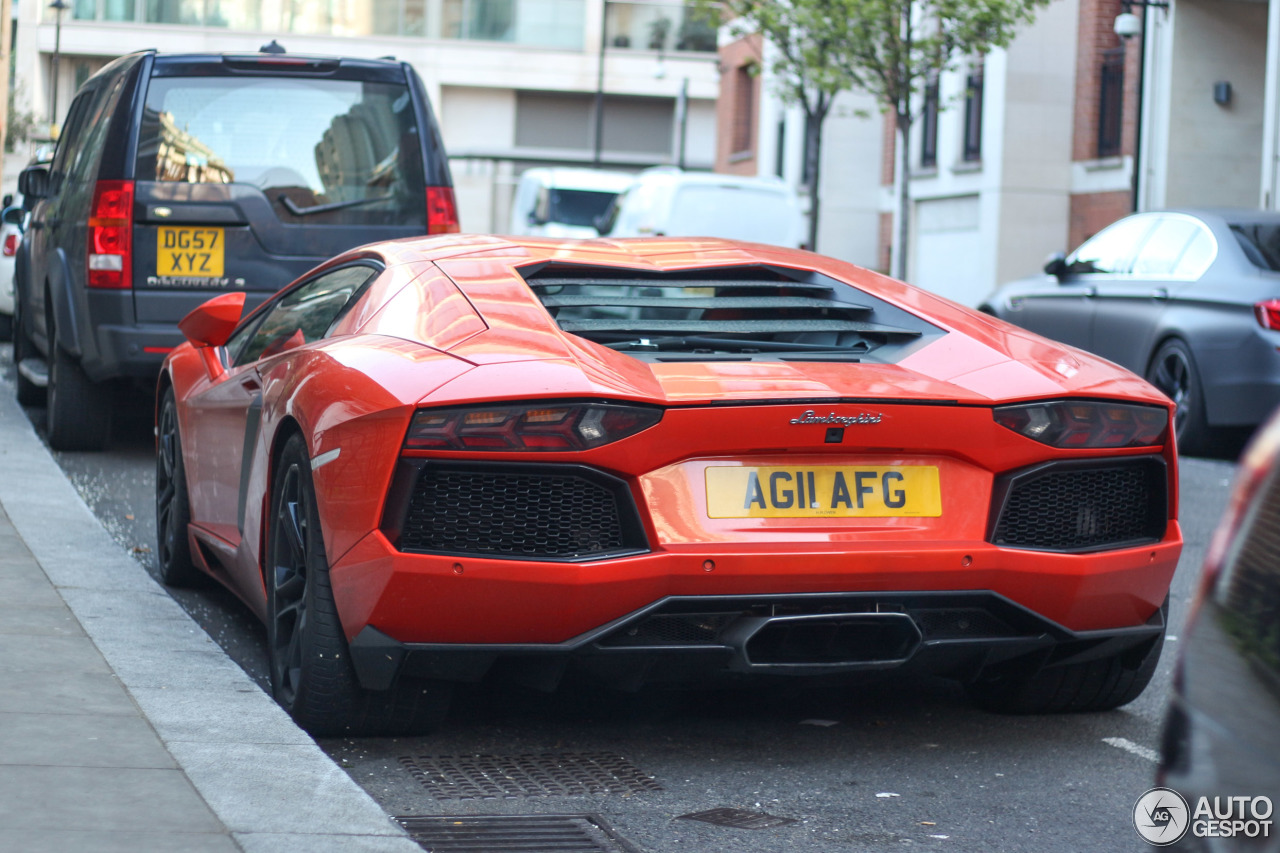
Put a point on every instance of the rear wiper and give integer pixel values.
(668, 343)
(325, 208)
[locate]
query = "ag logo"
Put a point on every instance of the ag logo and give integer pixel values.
(1161, 816)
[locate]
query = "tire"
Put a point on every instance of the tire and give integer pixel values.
(78, 412)
(173, 508)
(1173, 370)
(1094, 685)
(310, 665)
(29, 394)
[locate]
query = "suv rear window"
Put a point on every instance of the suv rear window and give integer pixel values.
(324, 152)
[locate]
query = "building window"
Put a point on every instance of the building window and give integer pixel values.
(973, 115)
(929, 124)
(744, 108)
(660, 27)
(1111, 103)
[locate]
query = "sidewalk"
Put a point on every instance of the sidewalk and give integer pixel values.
(123, 727)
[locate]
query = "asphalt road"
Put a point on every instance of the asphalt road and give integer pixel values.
(900, 762)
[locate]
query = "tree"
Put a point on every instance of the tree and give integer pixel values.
(807, 63)
(887, 48)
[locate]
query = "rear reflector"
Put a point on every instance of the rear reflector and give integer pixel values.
(442, 211)
(110, 243)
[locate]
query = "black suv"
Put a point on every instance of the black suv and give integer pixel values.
(178, 177)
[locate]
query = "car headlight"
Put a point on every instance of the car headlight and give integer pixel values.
(528, 427)
(1086, 424)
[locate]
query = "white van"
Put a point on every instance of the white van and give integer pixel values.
(671, 202)
(564, 202)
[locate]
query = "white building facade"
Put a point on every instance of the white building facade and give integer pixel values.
(514, 83)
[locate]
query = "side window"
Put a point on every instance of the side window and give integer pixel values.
(71, 139)
(1112, 250)
(300, 316)
(1200, 252)
(1161, 251)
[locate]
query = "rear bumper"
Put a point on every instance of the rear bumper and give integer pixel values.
(686, 638)
(432, 613)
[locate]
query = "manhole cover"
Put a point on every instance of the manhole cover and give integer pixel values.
(739, 818)
(570, 774)
(586, 833)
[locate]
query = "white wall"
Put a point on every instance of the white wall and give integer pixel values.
(1215, 152)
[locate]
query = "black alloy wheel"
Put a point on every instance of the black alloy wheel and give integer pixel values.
(311, 673)
(173, 509)
(1173, 371)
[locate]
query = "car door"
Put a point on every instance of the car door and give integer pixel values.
(223, 422)
(1064, 310)
(53, 219)
(1129, 309)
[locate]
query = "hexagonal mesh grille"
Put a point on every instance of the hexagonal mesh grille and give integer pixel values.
(1079, 508)
(518, 514)
(569, 774)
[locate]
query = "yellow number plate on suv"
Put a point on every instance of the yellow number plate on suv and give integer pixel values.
(823, 491)
(189, 251)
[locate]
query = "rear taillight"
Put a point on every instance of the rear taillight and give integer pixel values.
(11, 243)
(111, 235)
(1086, 424)
(1268, 314)
(442, 211)
(526, 428)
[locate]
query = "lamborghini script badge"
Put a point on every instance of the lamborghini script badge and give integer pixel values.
(844, 420)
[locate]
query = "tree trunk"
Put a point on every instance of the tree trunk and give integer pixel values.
(813, 162)
(904, 196)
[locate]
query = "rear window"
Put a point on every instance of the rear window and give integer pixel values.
(1261, 244)
(336, 152)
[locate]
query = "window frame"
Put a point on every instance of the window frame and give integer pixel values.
(245, 333)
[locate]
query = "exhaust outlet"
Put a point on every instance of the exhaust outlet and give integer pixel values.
(823, 642)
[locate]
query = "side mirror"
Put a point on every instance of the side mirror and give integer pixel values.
(12, 216)
(33, 182)
(212, 323)
(1056, 265)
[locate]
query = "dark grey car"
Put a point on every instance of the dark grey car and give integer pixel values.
(1190, 299)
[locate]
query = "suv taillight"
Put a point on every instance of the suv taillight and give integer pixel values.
(1268, 313)
(111, 235)
(11, 243)
(442, 211)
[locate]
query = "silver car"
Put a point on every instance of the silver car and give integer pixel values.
(1190, 299)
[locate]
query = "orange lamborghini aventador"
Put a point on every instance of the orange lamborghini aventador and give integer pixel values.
(659, 459)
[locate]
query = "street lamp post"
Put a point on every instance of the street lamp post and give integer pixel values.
(57, 6)
(1127, 25)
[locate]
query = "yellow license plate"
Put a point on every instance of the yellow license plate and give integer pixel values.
(189, 251)
(823, 491)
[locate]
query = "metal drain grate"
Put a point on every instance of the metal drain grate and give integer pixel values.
(568, 774)
(738, 818)
(586, 833)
